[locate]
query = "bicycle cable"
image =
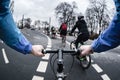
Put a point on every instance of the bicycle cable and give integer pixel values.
(73, 59)
(52, 66)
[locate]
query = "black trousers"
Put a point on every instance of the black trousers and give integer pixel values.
(81, 39)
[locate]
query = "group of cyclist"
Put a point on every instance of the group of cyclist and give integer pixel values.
(50, 31)
(83, 34)
(12, 36)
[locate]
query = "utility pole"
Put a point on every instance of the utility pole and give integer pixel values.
(49, 23)
(22, 20)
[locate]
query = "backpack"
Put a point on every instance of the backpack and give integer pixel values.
(64, 26)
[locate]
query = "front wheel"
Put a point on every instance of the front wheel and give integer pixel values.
(85, 61)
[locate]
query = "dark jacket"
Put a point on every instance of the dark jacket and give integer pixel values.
(82, 27)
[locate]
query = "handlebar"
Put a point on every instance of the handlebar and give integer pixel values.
(72, 52)
(60, 68)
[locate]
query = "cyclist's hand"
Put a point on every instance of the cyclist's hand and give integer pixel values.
(86, 50)
(37, 50)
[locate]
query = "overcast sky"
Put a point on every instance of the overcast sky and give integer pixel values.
(43, 9)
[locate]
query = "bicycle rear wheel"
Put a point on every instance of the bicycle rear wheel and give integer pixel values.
(85, 61)
(63, 41)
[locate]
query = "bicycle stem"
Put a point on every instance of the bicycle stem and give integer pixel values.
(60, 61)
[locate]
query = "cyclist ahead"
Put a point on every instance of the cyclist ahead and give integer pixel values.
(53, 32)
(63, 30)
(83, 34)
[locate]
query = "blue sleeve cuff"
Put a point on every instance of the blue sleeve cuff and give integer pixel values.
(22, 45)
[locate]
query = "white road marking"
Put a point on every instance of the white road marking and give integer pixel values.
(97, 68)
(36, 37)
(103, 53)
(105, 77)
(68, 42)
(42, 66)
(46, 57)
(92, 61)
(37, 78)
(5, 56)
(118, 55)
(1, 41)
(26, 33)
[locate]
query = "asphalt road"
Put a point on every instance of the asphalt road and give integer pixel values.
(16, 66)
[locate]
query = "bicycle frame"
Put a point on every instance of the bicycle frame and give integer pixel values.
(84, 61)
(60, 62)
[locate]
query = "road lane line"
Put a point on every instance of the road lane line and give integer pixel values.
(5, 56)
(36, 37)
(26, 33)
(49, 45)
(97, 68)
(1, 41)
(68, 42)
(118, 55)
(46, 57)
(105, 77)
(42, 66)
(37, 78)
(92, 60)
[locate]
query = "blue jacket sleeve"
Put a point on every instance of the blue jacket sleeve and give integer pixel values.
(9, 32)
(110, 38)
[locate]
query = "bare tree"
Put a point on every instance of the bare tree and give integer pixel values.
(24, 22)
(97, 16)
(45, 23)
(37, 23)
(90, 19)
(64, 12)
(27, 22)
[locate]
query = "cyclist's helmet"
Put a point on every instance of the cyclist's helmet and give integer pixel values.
(80, 17)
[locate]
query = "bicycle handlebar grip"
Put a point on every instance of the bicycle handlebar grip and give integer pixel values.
(49, 51)
(44, 51)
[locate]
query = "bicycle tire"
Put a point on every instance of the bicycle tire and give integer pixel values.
(85, 63)
(63, 42)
